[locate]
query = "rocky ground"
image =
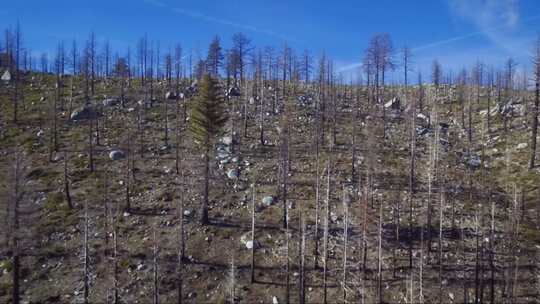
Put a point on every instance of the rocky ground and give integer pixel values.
(482, 180)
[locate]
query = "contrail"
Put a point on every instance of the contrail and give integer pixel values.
(207, 18)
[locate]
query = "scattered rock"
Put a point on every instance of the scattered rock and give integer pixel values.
(268, 201)
(227, 140)
(245, 239)
(394, 103)
(234, 92)
(82, 113)
(233, 174)
(110, 102)
(421, 131)
(472, 160)
(116, 155)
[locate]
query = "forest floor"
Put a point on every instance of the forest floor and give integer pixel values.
(500, 187)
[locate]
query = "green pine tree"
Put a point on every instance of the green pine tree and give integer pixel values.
(206, 120)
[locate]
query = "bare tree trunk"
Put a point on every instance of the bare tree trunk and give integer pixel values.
(325, 237)
(90, 146)
(345, 239)
(178, 136)
(85, 256)
(66, 181)
(492, 255)
(261, 121)
(252, 277)
(232, 282)
(379, 256)
(441, 205)
(128, 175)
(287, 263)
(535, 115)
(302, 253)
(317, 188)
(14, 228)
(116, 298)
(155, 268)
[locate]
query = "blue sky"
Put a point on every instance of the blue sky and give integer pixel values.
(456, 32)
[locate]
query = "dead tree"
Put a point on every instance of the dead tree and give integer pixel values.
(127, 174)
(15, 198)
(284, 159)
(534, 129)
(325, 235)
(178, 137)
(232, 282)
(379, 255)
(346, 201)
(317, 188)
(66, 181)
(155, 254)
(441, 206)
(116, 297)
(86, 270)
(16, 67)
(412, 144)
(253, 235)
(287, 262)
(302, 253)
(181, 242)
(166, 122)
(90, 145)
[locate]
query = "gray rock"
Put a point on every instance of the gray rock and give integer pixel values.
(6, 77)
(245, 239)
(268, 201)
(170, 96)
(233, 174)
(234, 92)
(522, 146)
(110, 102)
(472, 160)
(394, 103)
(227, 140)
(82, 113)
(116, 155)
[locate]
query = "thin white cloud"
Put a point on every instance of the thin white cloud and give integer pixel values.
(497, 20)
(212, 19)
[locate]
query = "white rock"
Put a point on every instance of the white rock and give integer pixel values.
(275, 300)
(116, 155)
(233, 174)
(268, 200)
(227, 140)
(522, 146)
